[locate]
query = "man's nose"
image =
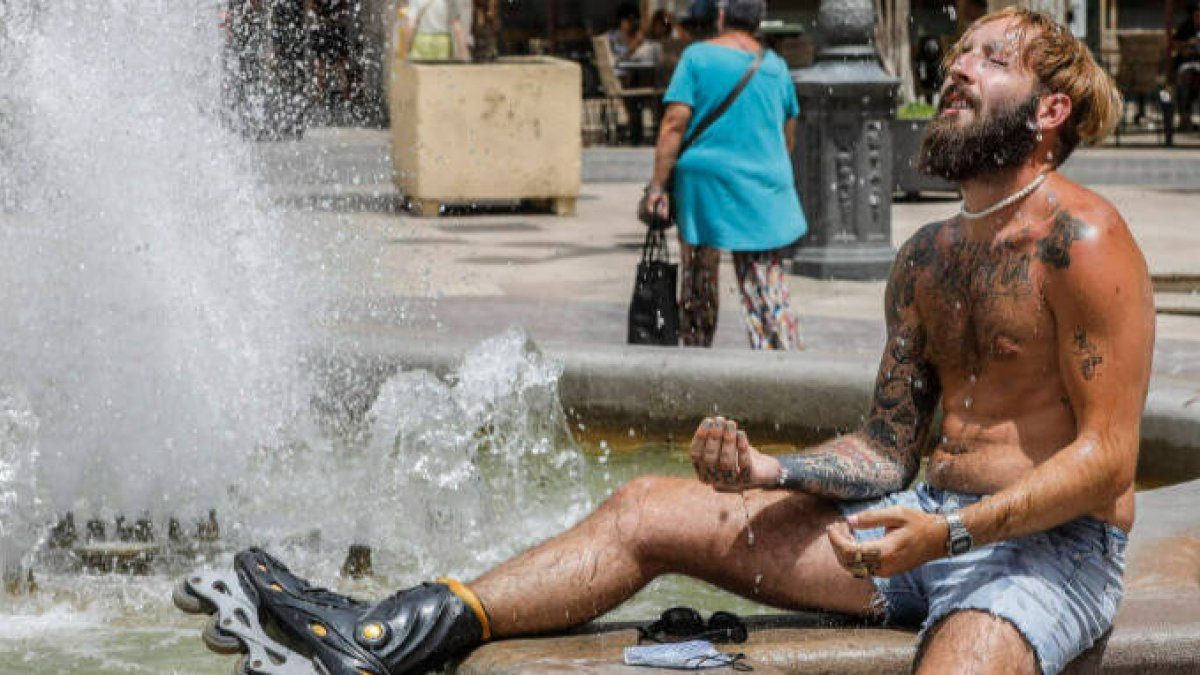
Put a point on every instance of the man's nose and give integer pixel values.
(959, 70)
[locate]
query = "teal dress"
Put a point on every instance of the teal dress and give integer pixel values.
(734, 186)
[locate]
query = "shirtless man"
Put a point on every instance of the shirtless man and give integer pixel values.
(1028, 317)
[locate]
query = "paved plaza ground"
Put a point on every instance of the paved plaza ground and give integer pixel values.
(472, 272)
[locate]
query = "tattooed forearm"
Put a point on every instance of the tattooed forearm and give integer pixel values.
(1089, 357)
(848, 467)
(882, 457)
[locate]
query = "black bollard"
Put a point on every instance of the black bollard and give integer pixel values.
(358, 562)
(62, 535)
(208, 530)
(174, 531)
(95, 530)
(143, 529)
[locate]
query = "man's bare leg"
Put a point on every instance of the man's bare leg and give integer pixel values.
(978, 643)
(654, 526)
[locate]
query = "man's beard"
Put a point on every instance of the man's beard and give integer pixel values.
(1002, 140)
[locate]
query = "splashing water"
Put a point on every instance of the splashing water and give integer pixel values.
(142, 278)
(156, 330)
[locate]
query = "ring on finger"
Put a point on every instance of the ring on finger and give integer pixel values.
(858, 555)
(859, 571)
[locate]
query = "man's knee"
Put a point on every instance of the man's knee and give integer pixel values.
(641, 501)
(974, 641)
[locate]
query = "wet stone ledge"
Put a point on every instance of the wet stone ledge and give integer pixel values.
(1156, 632)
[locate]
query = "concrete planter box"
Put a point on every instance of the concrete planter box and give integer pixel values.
(498, 131)
(906, 145)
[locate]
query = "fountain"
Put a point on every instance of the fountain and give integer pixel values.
(155, 389)
(162, 374)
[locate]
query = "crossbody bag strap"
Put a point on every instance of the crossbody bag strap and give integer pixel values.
(720, 110)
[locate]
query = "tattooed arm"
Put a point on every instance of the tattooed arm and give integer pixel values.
(884, 455)
(1099, 291)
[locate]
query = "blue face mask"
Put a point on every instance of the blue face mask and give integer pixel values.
(690, 655)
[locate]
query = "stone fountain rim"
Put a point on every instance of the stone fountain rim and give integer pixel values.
(655, 385)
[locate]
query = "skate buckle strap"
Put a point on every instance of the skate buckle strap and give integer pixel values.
(471, 600)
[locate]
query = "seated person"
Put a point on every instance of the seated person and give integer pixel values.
(651, 50)
(625, 39)
(1185, 46)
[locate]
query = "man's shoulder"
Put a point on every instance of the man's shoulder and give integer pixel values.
(1085, 221)
(921, 242)
(1087, 241)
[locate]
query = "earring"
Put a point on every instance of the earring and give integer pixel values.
(1039, 136)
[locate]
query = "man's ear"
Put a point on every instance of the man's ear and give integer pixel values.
(1053, 111)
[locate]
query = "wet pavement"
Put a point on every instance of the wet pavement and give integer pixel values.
(476, 270)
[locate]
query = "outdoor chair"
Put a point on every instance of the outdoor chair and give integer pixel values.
(1141, 74)
(615, 92)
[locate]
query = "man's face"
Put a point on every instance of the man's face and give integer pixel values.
(986, 118)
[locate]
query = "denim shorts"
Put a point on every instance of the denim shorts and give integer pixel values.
(1059, 588)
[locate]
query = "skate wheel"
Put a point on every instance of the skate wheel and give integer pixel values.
(218, 640)
(189, 602)
(242, 666)
(245, 665)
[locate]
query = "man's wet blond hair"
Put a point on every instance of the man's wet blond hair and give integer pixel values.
(1063, 65)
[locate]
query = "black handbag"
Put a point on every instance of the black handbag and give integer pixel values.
(653, 220)
(654, 309)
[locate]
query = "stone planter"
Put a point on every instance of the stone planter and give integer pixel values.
(906, 145)
(498, 131)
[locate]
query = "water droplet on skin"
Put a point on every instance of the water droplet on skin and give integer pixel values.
(967, 402)
(757, 582)
(973, 378)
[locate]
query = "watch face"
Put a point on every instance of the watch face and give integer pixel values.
(960, 545)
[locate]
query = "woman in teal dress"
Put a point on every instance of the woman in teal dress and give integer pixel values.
(734, 187)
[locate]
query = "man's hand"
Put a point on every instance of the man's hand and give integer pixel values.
(912, 538)
(724, 458)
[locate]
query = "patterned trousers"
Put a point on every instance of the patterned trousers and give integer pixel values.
(770, 322)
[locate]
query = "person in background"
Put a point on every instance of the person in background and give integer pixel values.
(329, 36)
(929, 67)
(698, 23)
(1185, 47)
(439, 29)
(734, 188)
(485, 30)
(625, 39)
(650, 51)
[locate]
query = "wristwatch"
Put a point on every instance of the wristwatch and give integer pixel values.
(959, 539)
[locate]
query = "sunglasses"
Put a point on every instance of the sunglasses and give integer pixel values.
(685, 623)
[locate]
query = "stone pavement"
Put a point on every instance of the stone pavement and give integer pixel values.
(474, 271)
